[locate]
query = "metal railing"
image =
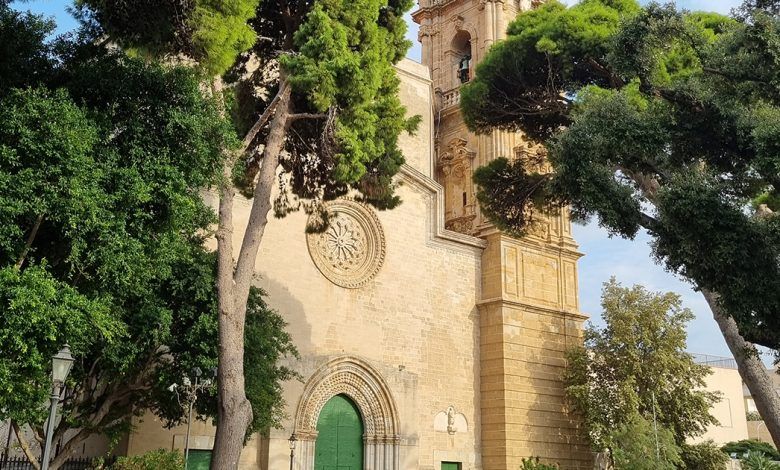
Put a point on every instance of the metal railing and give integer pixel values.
(21, 463)
(721, 362)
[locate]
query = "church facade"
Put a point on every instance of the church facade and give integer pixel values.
(428, 339)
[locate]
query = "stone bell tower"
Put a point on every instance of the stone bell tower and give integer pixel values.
(529, 311)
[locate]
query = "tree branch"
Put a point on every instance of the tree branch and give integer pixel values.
(263, 119)
(64, 453)
(25, 446)
(28, 243)
(298, 116)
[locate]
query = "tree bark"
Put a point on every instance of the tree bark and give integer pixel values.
(751, 369)
(234, 412)
(25, 446)
(67, 450)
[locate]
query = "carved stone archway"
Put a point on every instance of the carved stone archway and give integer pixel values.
(359, 381)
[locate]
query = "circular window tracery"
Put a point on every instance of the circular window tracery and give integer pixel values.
(351, 250)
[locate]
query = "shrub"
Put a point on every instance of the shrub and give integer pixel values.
(703, 456)
(747, 446)
(758, 461)
(753, 416)
(636, 443)
(159, 459)
(534, 464)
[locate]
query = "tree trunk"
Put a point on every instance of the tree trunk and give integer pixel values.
(751, 369)
(67, 450)
(25, 446)
(234, 412)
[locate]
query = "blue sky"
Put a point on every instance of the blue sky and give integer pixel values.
(629, 261)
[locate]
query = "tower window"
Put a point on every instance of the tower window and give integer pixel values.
(465, 199)
(461, 46)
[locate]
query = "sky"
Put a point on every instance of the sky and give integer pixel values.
(630, 262)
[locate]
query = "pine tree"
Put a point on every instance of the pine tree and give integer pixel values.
(314, 97)
(659, 120)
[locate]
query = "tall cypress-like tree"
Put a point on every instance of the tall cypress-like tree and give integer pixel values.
(660, 120)
(323, 69)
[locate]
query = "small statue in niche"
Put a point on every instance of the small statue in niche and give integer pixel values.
(451, 421)
(463, 68)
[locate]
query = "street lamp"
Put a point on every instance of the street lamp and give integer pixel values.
(293, 440)
(189, 392)
(60, 368)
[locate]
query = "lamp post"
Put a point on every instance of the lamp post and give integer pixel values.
(189, 392)
(293, 440)
(60, 368)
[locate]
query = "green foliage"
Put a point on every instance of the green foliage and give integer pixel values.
(346, 52)
(102, 231)
(159, 459)
(549, 53)
(753, 416)
(221, 32)
(703, 456)
(759, 461)
(37, 315)
(637, 445)
(25, 54)
(535, 464)
(654, 119)
(211, 32)
(338, 57)
(751, 446)
(637, 366)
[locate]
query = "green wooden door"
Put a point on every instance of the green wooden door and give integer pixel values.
(450, 466)
(199, 459)
(340, 436)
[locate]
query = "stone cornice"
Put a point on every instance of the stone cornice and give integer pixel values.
(551, 311)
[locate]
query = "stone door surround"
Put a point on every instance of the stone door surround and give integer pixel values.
(357, 379)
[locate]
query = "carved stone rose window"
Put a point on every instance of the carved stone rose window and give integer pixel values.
(352, 249)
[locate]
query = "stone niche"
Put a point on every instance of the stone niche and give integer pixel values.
(455, 166)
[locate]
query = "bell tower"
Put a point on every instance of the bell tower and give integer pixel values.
(529, 308)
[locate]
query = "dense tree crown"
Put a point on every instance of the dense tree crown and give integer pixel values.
(315, 95)
(637, 366)
(102, 231)
(337, 56)
(655, 119)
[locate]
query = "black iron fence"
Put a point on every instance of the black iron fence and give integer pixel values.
(21, 463)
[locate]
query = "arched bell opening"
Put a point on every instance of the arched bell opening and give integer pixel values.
(461, 47)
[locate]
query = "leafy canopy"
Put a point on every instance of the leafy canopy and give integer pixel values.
(637, 445)
(212, 32)
(636, 366)
(337, 56)
(102, 231)
(703, 456)
(654, 119)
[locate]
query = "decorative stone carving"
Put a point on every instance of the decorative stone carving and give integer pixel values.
(457, 21)
(352, 249)
(428, 30)
(455, 166)
(359, 381)
(450, 421)
(534, 158)
(463, 224)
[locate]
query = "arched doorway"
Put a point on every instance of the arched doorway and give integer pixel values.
(357, 381)
(339, 436)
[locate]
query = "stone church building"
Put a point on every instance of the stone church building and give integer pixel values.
(428, 339)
